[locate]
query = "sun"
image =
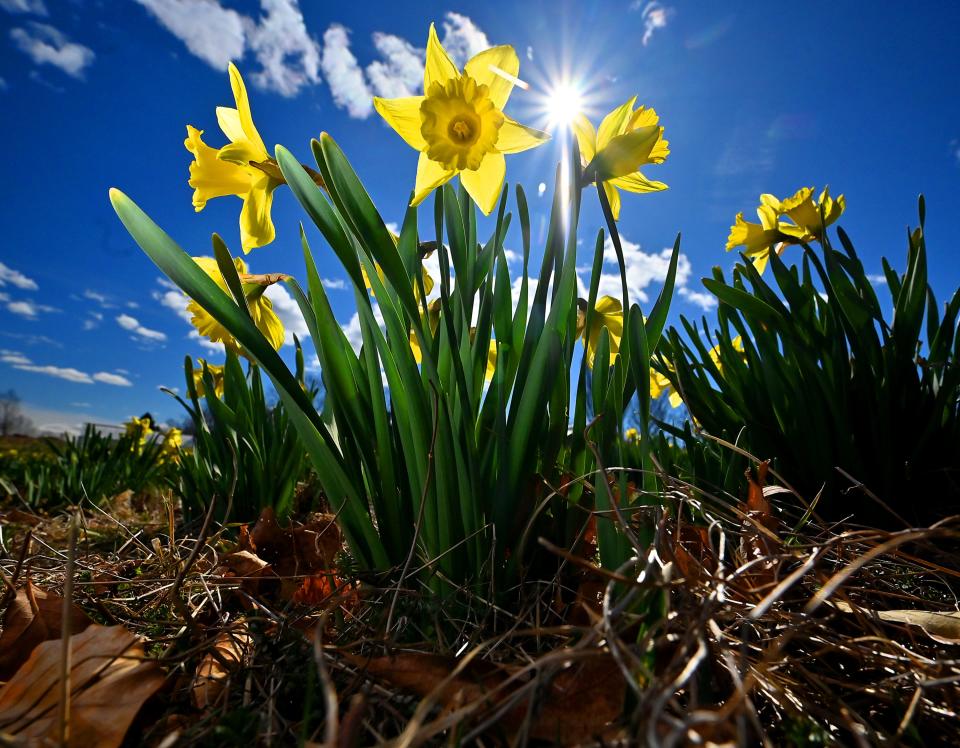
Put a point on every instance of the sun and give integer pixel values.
(563, 103)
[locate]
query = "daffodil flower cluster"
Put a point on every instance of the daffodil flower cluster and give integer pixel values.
(798, 219)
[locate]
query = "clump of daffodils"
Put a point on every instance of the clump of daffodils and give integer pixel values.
(798, 219)
(138, 431)
(170, 447)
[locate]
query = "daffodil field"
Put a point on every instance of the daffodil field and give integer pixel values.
(555, 516)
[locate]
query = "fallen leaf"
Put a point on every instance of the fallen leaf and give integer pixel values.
(109, 682)
(688, 546)
(228, 653)
(33, 617)
(941, 627)
(18, 517)
(759, 539)
(577, 704)
(319, 588)
(297, 551)
(581, 701)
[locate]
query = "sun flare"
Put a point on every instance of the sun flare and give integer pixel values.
(563, 103)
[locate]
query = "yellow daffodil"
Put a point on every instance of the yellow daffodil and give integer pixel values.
(170, 448)
(775, 233)
(737, 344)
(216, 373)
(261, 308)
(433, 320)
(243, 168)
(627, 139)
(427, 280)
(458, 125)
(491, 361)
(138, 430)
(631, 435)
(607, 313)
(659, 384)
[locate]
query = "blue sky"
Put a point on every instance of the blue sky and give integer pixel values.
(754, 97)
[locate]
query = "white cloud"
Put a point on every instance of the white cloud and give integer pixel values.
(92, 321)
(344, 75)
(132, 325)
(45, 45)
(462, 38)
(205, 342)
(35, 7)
(288, 311)
(28, 309)
(60, 372)
(400, 73)
(877, 280)
(211, 32)
(334, 284)
(654, 16)
(23, 363)
(289, 56)
(16, 278)
(13, 358)
(706, 301)
(115, 379)
(512, 256)
(642, 269)
(352, 328)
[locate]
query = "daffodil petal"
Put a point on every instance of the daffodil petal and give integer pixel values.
(209, 176)
(608, 305)
(484, 184)
(586, 138)
(613, 197)
(491, 361)
(403, 115)
(243, 109)
(256, 226)
(626, 153)
(439, 67)
(430, 175)
(636, 182)
(268, 322)
(615, 123)
(643, 117)
(484, 67)
(240, 153)
(514, 137)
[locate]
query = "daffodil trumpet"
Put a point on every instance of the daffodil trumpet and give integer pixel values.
(612, 155)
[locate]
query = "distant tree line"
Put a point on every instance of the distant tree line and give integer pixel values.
(12, 419)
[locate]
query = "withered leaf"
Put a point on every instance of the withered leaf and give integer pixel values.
(33, 617)
(109, 682)
(227, 654)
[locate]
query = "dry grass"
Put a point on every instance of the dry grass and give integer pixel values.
(744, 633)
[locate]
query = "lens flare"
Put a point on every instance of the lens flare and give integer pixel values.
(563, 103)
